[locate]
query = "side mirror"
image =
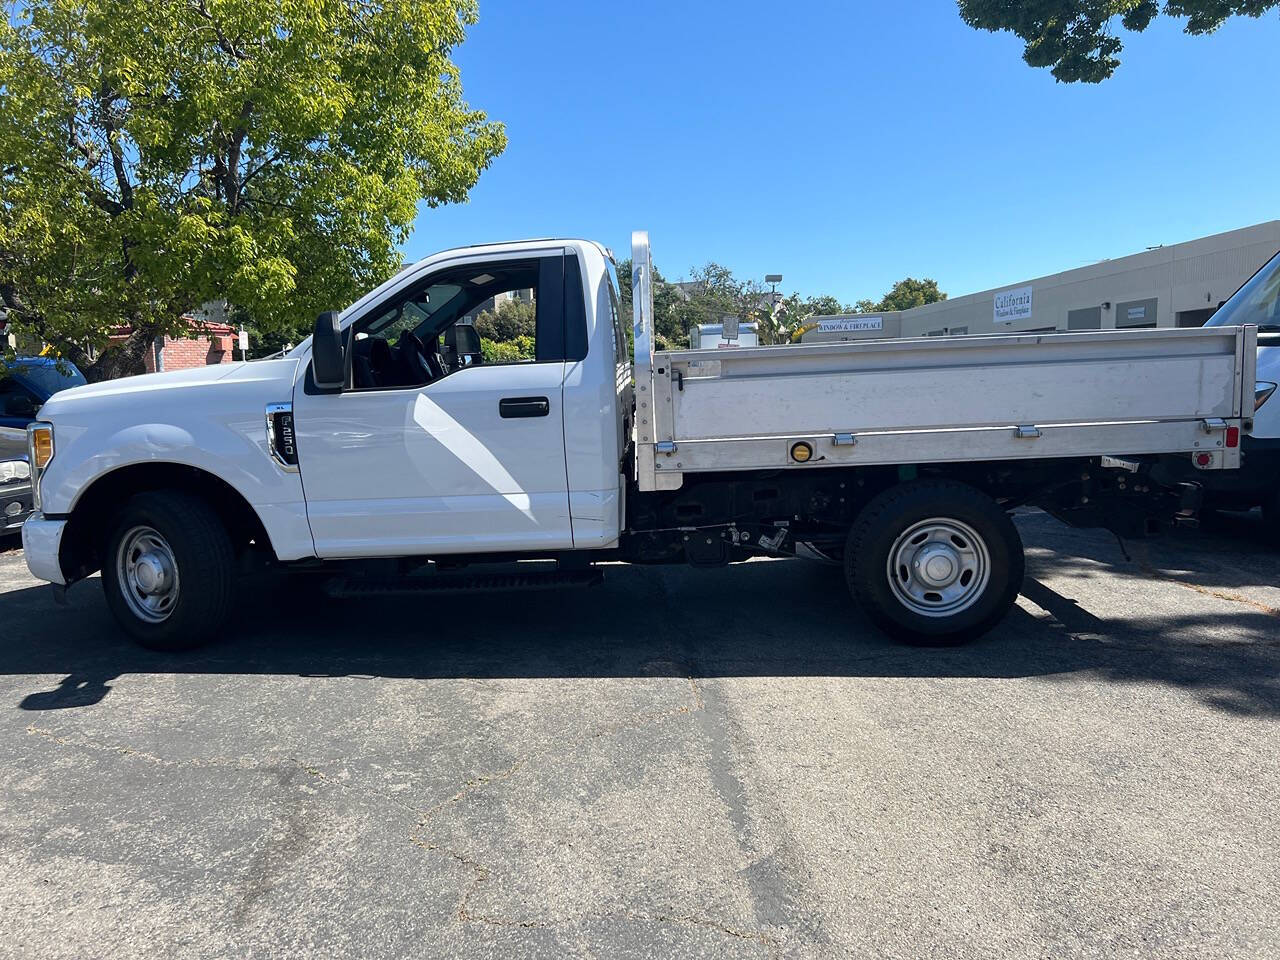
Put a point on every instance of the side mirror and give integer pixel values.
(328, 356)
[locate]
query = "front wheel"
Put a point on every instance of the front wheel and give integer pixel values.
(168, 570)
(934, 562)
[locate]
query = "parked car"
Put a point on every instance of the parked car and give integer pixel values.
(15, 480)
(30, 381)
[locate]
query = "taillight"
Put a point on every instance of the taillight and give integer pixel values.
(1233, 436)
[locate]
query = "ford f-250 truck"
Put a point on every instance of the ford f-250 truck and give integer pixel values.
(380, 443)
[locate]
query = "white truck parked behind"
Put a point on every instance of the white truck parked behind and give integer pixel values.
(1257, 482)
(373, 439)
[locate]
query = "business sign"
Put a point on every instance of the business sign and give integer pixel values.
(1137, 313)
(1012, 305)
(850, 324)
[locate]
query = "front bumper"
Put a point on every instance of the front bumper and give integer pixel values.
(15, 506)
(41, 541)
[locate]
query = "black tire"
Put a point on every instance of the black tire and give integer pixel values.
(914, 505)
(200, 553)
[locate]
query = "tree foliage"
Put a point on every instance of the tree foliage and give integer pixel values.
(910, 292)
(507, 351)
(672, 315)
(512, 319)
(157, 156)
(713, 293)
(1077, 39)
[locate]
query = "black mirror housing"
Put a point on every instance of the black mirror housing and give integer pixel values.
(328, 355)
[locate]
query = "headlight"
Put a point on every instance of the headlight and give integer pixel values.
(39, 453)
(14, 471)
(1261, 391)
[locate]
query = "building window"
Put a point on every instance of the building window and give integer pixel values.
(1133, 314)
(1087, 318)
(1194, 318)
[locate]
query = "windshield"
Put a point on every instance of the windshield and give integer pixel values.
(46, 379)
(1258, 301)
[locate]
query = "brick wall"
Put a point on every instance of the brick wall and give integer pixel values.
(183, 353)
(213, 343)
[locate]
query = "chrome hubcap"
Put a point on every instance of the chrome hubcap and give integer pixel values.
(939, 567)
(148, 574)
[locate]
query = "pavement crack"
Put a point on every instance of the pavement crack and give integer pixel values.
(236, 763)
(476, 783)
(127, 751)
(1152, 571)
(756, 936)
(700, 702)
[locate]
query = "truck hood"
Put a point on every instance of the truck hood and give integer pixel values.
(163, 388)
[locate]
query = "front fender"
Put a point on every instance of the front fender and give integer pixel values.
(217, 428)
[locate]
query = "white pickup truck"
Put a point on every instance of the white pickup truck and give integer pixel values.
(389, 435)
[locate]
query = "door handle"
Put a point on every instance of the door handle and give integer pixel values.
(510, 407)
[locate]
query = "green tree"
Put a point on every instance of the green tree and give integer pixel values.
(509, 351)
(157, 156)
(513, 318)
(789, 319)
(910, 293)
(1077, 39)
(823, 306)
(713, 293)
(669, 307)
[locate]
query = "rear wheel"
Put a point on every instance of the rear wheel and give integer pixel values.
(934, 562)
(168, 570)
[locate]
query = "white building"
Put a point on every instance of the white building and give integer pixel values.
(1174, 286)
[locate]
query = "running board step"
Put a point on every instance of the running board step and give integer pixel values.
(345, 587)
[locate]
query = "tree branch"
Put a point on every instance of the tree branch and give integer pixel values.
(229, 48)
(238, 134)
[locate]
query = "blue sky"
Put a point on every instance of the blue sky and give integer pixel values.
(846, 145)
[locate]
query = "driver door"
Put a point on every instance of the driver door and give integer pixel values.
(431, 455)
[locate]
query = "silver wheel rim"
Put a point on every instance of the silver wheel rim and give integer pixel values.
(148, 574)
(938, 567)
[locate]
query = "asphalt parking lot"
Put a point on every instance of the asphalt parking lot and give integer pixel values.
(680, 763)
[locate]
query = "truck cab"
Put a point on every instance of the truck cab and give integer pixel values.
(454, 456)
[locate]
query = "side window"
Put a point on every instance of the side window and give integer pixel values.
(504, 312)
(16, 400)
